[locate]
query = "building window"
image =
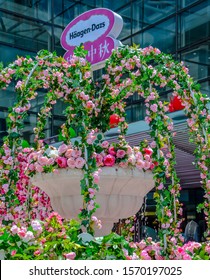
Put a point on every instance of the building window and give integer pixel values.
(194, 24)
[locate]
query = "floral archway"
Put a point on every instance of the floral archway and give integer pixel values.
(129, 70)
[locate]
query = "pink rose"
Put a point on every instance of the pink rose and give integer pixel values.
(51, 161)
(145, 255)
(14, 229)
(147, 165)
(17, 110)
(21, 233)
(105, 144)
(203, 176)
(70, 256)
(31, 167)
(120, 153)
(123, 164)
(37, 253)
(142, 244)
(84, 96)
(62, 162)
(76, 153)
(94, 219)
(42, 160)
(32, 156)
(166, 225)
(62, 149)
(154, 108)
(90, 205)
(71, 162)
(90, 105)
(80, 162)
(129, 150)
(112, 151)
(140, 164)
(68, 153)
(109, 160)
(13, 252)
(153, 144)
(132, 229)
(87, 74)
(99, 225)
(96, 177)
(5, 187)
(99, 160)
(132, 160)
(161, 186)
(147, 157)
(91, 137)
(152, 166)
(91, 192)
(28, 236)
(186, 257)
(139, 156)
(207, 249)
(38, 167)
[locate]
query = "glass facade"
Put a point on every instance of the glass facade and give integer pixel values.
(180, 27)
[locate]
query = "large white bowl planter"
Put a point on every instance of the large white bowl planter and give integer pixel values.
(120, 196)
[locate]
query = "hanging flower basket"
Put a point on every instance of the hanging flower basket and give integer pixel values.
(120, 195)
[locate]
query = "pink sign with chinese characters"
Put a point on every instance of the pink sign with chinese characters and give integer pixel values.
(97, 30)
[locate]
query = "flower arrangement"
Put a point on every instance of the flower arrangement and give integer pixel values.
(107, 154)
(57, 239)
(90, 107)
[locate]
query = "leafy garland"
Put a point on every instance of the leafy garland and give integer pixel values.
(128, 70)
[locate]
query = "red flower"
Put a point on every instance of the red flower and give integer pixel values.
(62, 162)
(148, 151)
(114, 120)
(171, 108)
(175, 104)
(109, 160)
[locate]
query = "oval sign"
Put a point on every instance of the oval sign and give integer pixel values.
(97, 30)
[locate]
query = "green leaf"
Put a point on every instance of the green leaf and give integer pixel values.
(14, 135)
(76, 143)
(72, 133)
(80, 51)
(99, 137)
(4, 236)
(83, 184)
(60, 137)
(25, 144)
(202, 255)
(85, 222)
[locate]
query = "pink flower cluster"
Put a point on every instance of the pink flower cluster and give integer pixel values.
(124, 156)
(39, 202)
(70, 256)
(187, 251)
(23, 233)
(97, 222)
(63, 157)
(149, 250)
(67, 156)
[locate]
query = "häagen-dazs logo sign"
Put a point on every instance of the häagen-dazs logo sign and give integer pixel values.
(97, 30)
